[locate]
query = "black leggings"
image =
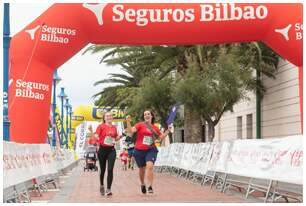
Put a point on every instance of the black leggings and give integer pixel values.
(109, 154)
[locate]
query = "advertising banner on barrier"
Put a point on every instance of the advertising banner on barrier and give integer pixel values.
(158, 161)
(58, 157)
(176, 154)
(169, 155)
(276, 159)
(165, 156)
(201, 155)
(219, 156)
(22, 162)
(186, 163)
(63, 158)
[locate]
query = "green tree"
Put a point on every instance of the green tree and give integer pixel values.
(224, 72)
(220, 76)
(155, 94)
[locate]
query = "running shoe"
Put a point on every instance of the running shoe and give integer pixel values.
(109, 192)
(150, 189)
(143, 189)
(102, 191)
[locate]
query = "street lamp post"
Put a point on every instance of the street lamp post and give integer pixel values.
(67, 105)
(70, 119)
(62, 96)
(6, 46)
(56, 80)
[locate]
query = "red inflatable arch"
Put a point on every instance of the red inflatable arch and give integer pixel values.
(64, 29)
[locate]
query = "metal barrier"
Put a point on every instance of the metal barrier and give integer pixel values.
(20, 193)
(287, 191)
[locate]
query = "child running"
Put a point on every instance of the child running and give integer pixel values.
(124, 158)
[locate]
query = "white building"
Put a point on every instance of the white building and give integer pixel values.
(280, 109)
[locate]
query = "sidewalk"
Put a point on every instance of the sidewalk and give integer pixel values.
(83, 187)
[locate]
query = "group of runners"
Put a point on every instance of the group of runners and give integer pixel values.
(143, 150)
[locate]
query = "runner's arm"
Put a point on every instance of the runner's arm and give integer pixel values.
(118, 137)
(165, 134)
(96, 134)
(130, 129)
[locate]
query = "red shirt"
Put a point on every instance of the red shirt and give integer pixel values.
(107, 135)
(144, 136)
(92, 141)
(124, 155)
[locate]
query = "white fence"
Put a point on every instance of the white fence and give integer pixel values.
(275, 159)
(23, 162)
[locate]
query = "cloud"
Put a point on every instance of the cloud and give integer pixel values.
(80, 73)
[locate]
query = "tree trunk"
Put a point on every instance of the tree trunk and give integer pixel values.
(211, 131)
(170, 138)
(192, 125)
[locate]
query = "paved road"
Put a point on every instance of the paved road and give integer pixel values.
(81, 187)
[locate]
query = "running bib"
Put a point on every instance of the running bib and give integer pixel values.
(109, 140)
(147, 140)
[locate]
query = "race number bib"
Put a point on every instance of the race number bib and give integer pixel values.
(147, 140)
(109, 140)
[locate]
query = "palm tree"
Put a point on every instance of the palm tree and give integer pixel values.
(124, 89)
(159, 61)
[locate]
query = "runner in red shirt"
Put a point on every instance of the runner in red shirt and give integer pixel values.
(92, 140)
(106, 135)
(145, 152)
(124, 158)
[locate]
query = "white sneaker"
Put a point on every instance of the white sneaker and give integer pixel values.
(108, 192)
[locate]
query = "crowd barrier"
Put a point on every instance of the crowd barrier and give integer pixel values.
(29, 164)
(266, 160)
(277, 159)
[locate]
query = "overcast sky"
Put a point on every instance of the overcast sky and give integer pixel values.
(79, 73)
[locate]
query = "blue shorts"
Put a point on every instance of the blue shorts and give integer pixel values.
(143, 156)
(131, 152)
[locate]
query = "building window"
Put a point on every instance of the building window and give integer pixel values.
(249, 124)
(239, 127)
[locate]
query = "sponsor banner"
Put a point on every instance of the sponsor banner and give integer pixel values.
(186, 164)
(176, 154)
(22, 162)
(219, 157)
(31, 90)
(201, 156)
(158, 161)
(63, 158)
(81, 132)
(276, 159)
(163, 155)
